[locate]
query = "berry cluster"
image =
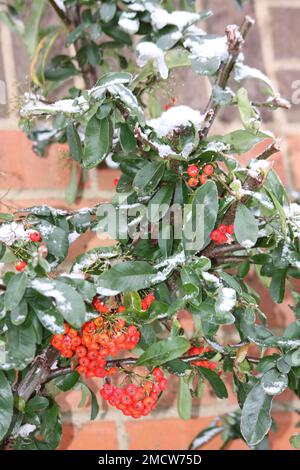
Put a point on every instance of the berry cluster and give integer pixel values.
(35, 237)
(147, 301)
(104, 336)
(202, 363)
(195, 178)
(136, 401)
(222, 234)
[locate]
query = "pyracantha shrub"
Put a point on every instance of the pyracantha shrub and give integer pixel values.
(113, 314)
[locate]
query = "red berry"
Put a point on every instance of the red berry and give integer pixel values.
(203, 179)
(208, 170)
(215, 235)
(121, 309)
(116, 181)
(163, 384)
(158, 373)
(193, 182)
(222, 228)
(192, 170)
(230, 229)
(35, 237)
(20, 266)
(81, 351)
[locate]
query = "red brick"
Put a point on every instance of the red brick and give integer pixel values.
(105, 178)
(22, 169)
(294, 155)
(93, 436)
(170, 434)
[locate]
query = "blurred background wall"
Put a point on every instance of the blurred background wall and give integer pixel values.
(26, 180)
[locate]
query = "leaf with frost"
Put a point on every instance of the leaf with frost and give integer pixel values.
(68, 301)
(256, 415)
(243, 71)
(245, 227)
(273, 382)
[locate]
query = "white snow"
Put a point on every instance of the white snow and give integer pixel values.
(247, 244)
(60, 4)
(11, 232)
(26, 429)
(205, 49)
(227, 299)
(107, 292)
(148, 51)
(211, 278)
(161, 18)
(129, 23)
(50, 323)
(34, 106)
(175, 118)
(258, 168)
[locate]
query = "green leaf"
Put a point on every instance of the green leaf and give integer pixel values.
(127, 139)
(295, 441)
(127, 277)
(36, 404)
(107, 11)
(72, 189)
(21, 346)
(74, 143)
(114, 77)
(98, 137)
(31, 34)
(51, 319)
(86, 390)
(51, 426)
(241, 141)
(6, 405)
(277, 286)
(68, 301)
(15, 291)
(18, 315)
(184, 402)
(56, 239)
(249, 116)
(67, 382)
(166, 240)
(273, 382)
(256, 415)
(245, 226)
(164, 351)
(215, 381)
(280, 211)
(159, 204)
(148, 178)
(205, 199)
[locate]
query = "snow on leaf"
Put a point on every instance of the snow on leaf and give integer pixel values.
(174, 118)
(148, 51)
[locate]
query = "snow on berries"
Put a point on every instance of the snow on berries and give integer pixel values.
(136, 400)
(199, 175)
(223, 234)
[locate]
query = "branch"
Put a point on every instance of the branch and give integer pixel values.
(235, 37)
(61, 14)
(37, 374)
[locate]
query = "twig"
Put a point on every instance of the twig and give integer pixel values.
(235, 37)
(61, 14)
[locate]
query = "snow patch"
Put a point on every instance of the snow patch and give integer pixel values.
(148, 51)
(175, 118)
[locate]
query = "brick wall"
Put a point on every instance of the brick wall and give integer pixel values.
(26, 180)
